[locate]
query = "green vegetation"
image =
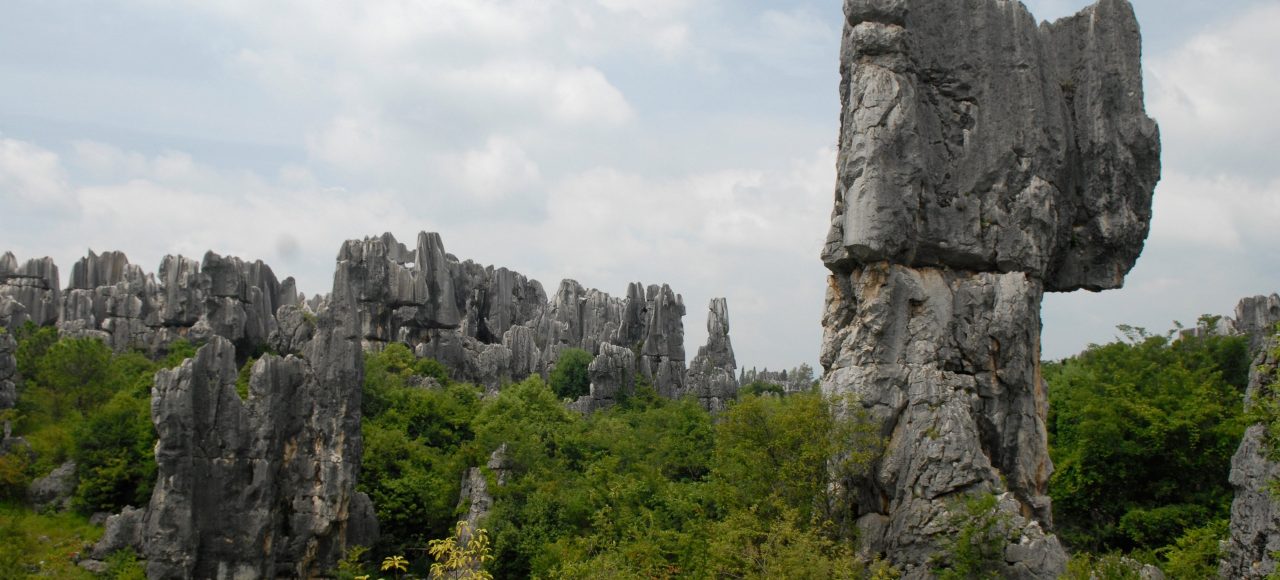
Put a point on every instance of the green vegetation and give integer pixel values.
(569, 378)
(977, 549)
(1141, 434)
(760, 388)
(78, 400)
(649, 488)
(45, 545)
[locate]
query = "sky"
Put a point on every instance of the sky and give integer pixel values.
(690, 142)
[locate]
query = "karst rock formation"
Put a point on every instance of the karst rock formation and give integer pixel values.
(263, 485)
(1255, 514)
(984, 159)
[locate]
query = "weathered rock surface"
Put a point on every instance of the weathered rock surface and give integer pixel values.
(265, 486)
(984, 159)
(8, 370)
(33, 290)
(712, 377)
(111, 299)
(493, 325)
(55, 489)
(258, 487)
(1255, 514)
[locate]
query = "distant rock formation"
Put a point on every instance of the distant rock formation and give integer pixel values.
(29, 292)
(493, 325)
(796, 380)
(264, 486)
(711, 373)
(983, 160)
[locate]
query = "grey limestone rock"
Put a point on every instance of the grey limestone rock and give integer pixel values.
(55, 489)
(362, 523)
(295, 325)
(180, 294)
(613, 376)
(475, 496)
(1256, 317)
(1255, 515)
(8, 370)
(122, 530)
(711, 377)
(662, 354)
(34, 286)
(265, 486)
(983, 160)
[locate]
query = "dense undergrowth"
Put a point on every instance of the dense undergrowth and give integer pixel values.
(1141, 430)
(1141, 433)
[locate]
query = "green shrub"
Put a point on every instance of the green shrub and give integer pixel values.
(569, 379)
(1197, 552)
(977, 548)
(1141, 435)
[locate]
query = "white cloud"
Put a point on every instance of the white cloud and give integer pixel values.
(571, 95)
(1222, 211)
(500, 168)
(352, 142)
(30, 175)
(1215, 95)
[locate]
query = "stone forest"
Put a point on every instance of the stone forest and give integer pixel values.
(433, 417)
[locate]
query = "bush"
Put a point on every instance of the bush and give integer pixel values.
(1141, 435)
(977, 549)
(115, 458)
(569, 379)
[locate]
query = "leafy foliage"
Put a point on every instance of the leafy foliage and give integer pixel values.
(760, 388)
(414, 453)
(1142, 432)
(651, 487)
(79, 400)
(43, 545)
(569, 378)
(977, 549)
(462, 555)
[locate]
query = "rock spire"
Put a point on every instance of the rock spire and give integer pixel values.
(983, 160)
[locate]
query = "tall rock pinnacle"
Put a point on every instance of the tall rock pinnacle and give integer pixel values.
(984, 160)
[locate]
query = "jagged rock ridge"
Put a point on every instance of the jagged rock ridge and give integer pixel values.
(983, 160)
(493, 325)
(487, 325)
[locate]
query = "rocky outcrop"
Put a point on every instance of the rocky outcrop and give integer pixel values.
(258, 487)
(1255, 515)
(983, 160)
(28, 292)
(493, 325)
(111, 299)
(711, 378)
(55, 489)
(8, 370)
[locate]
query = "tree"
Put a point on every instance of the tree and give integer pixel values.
(1141, 434)
(569, 378)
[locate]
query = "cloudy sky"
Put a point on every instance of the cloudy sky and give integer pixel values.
(680, 141)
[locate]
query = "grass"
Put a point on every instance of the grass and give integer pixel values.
(34, 545)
